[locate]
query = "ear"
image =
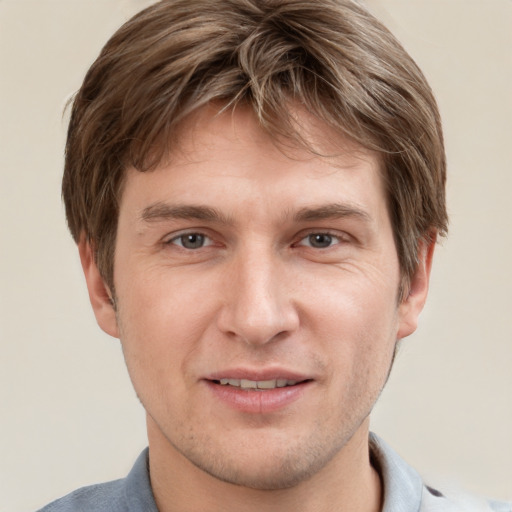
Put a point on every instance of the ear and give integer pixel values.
(99, 293)
(412, 304)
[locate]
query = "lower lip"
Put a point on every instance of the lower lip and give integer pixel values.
(258, 402)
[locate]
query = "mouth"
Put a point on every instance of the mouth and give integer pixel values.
(258, 385)
(262, 396)
(259, 391)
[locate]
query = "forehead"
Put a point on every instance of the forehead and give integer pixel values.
(222, 156)
(310, 137)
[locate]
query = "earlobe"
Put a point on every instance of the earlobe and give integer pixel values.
(99, 293)
(413, 303)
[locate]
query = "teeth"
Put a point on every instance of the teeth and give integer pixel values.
(267, 384)
(248, 384)
(258, 384)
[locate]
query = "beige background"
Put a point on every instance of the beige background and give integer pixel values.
(68, 414)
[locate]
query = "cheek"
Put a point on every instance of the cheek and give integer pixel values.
(161, 323)
(359, 337)
(356, 318)
(355, 295)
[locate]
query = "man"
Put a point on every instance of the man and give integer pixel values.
(256, 188)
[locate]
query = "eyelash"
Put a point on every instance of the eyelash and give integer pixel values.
(329, 234)
(174, 239)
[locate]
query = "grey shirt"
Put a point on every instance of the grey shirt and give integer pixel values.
(404, 490)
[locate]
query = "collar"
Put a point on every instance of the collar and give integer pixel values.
(402, 486)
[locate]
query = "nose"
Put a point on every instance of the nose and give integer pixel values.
(258, 307)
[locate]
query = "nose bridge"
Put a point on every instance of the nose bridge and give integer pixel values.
(259, 306)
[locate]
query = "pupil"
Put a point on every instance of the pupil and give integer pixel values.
(193, 241)
(320, 240)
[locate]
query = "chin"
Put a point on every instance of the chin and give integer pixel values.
(266, 476)
(265, 466)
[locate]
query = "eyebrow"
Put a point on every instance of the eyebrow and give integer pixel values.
(331, 211)
(163, 211)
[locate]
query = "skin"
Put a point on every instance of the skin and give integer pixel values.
(295, 273)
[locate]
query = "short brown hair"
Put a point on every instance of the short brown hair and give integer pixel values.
(330, 56)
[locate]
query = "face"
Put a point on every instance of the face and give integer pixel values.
(256, 293)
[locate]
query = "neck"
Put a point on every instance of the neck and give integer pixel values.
(347, 482)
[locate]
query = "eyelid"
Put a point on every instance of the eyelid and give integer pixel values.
(171, 238)
(339, 235)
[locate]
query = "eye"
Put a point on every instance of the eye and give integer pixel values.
(191, 241)
(319, 240)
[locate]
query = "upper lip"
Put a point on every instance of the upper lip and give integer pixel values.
(258, 374)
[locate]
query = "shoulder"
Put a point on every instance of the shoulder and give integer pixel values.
(108, 496)
(130, 494)
(434, 501)
(404, 489)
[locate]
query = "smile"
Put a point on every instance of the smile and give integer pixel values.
(257, 384)
(262, 396)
